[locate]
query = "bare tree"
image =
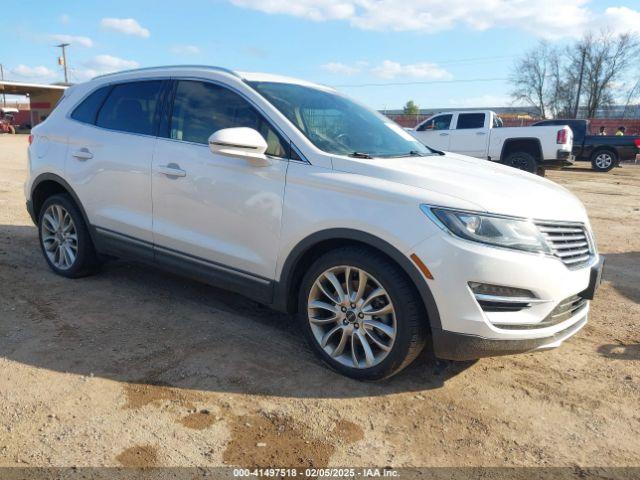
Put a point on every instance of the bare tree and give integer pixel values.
(548, 78)
(532, 77)
(608, 58)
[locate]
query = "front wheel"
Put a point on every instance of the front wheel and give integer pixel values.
(361, 314)
(603, 161)
(522, 161)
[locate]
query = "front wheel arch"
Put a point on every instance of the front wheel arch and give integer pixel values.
(308, 249)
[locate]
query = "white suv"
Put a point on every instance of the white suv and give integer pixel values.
(300, 198)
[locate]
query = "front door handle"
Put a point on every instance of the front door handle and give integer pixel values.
(444, 134)
(171, 170)
(82, 154)
(481, 133)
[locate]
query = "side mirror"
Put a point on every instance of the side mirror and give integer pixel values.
(240, 142)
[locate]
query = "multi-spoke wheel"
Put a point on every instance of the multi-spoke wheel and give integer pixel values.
(59, 237)
(64, 238)
(352, 316)
(361, 313)
(603, 160)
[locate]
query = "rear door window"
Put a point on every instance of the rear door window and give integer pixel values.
(131, 107)
(88, 109)
(470, 120)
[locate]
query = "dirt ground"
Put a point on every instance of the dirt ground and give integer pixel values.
(138, 367)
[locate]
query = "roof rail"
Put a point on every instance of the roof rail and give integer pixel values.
(144, 69)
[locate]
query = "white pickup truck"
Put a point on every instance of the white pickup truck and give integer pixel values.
(479, 133)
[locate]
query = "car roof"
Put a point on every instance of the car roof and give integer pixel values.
(247, 76)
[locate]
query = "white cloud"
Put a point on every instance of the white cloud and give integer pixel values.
(111, 63)
(99, 65)
(128, 26)
(184, 49)
(422, 71)
(72, 39)
(482, 101)
(317, 10)
(544, 18)
(389, 70)
(39, 72)
(338, 68)
(620, 20)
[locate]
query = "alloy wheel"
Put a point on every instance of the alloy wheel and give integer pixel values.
(352, 316)
(604, 160)
(59, 237)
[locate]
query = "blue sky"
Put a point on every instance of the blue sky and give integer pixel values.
(447, 45)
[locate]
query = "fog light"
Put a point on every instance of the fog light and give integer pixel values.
(499, 290)
(498, 298)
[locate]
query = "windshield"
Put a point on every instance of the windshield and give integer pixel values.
(337, 125)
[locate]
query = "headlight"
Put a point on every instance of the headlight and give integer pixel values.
(506, 232)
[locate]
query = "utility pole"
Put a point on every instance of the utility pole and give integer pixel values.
(63, 60)
(575, 110)
(4, 97)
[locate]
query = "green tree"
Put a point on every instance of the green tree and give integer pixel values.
(410, 108)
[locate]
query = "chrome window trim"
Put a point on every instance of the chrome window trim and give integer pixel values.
(178, 78)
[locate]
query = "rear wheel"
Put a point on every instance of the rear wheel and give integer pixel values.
(64, 238)
(361, 314)
(522, 161)
(603, 160)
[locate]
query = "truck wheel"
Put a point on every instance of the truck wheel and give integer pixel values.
(603, 160)
(12, 130)
(522, 161)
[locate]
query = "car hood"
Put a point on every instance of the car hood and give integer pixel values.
(492, 187)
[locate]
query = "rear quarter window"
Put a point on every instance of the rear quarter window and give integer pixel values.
(87, 111)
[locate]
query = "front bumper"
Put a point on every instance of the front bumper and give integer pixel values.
(458, 346)
(466, 331)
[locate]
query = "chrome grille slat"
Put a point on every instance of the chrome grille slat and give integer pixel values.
(571, 253)
(566, 309)
(568, 241)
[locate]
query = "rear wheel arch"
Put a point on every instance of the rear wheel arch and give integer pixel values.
(310, 248)
(531, 146)
(48, 184)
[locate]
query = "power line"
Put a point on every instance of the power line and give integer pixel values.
(424, 82)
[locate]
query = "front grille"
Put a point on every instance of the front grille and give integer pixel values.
(568, 242)
(566, 309)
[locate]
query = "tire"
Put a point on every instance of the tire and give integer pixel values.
(12, 130)
(84, 261)
(406, 320)
(522, 161)
(603, 160)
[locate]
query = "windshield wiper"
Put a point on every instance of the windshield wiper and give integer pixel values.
(360, 155)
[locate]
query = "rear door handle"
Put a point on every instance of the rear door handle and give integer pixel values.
(481, 133)
(444, 134)
(171, 170)
(82, 154)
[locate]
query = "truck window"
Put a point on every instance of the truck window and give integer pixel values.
(470, 120)
(441, 122)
